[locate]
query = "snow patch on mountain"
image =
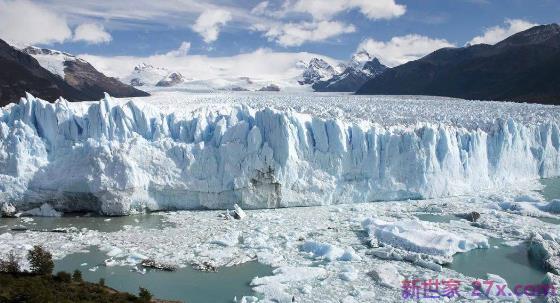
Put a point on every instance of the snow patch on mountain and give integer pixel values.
(51, 60)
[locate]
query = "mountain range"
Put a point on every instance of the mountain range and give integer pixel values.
(524, 67)
(147, 75)
(349, 77)
(50, 74)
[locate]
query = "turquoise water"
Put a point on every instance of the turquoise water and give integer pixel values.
(550, 220)
(551, 191)
(509, 262)
(186, 284)
(551, 188)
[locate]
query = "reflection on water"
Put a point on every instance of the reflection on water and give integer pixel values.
(103, 224)
(510, 262)
(185, 284)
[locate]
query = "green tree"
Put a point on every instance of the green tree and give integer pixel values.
(11, 265)
(63, 276)
(41, 261)
(77, 276)
(102, 282)
(145, 295)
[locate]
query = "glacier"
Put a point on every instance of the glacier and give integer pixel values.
(118, 157)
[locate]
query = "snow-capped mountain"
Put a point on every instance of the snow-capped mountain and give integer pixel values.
(359, 59)
(171, 80)
(51, 74)
(317, 70)
(148, 75)
(80, 74)
(361, 68)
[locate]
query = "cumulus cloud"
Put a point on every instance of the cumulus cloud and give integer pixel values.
(91, 33)
(183, 50)
(372, 9)
(209, 23)
(498, 33)
(402, 49)
(295, 34)
(23, 22)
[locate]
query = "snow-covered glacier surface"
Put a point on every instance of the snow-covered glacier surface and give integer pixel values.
(180, 151)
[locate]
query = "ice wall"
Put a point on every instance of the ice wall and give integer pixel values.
(117, 158)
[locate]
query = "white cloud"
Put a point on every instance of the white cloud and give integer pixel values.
(260, 9)
(91, 33)
(209, 22)
(498, 33)
(372, 9)
(134, 14)
(262, 64)
(183, 50)
(23, 22)
(402, 49)
(295, 34)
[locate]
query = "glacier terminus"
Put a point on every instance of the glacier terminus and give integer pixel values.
(123, 156)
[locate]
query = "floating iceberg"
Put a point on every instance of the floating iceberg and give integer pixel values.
(421, 237)
(116, 158)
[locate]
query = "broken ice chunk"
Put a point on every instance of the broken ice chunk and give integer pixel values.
(329, 252)
(238, 213)
(421, 237)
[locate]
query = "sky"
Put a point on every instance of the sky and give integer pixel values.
(395, 31)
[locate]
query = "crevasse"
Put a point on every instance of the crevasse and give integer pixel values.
(117, 158)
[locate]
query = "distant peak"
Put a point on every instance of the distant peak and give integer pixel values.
(361, 57)
(142, 66)
(534, 35)
(34, 50)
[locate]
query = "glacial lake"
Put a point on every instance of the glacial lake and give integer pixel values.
(509, 262)
(551, 188)
(184, 284)
(187, 284)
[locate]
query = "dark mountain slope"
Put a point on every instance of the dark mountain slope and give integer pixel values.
(20, 73)
(524, 67)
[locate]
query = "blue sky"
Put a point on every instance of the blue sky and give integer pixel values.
(221, 28)
(457, 21)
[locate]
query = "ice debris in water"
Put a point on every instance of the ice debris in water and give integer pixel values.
(7, 210)
(238, 212)
(422, 237)
(45, 210)
(329, 252)
(387, 275)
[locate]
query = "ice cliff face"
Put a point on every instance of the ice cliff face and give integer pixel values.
(118, 158)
